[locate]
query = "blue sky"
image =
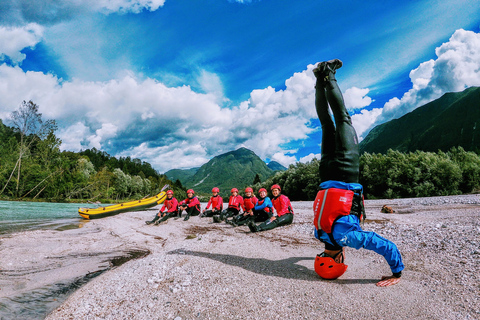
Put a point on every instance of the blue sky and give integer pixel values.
(177, 82)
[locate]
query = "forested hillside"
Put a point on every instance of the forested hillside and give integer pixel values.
(33, 167)
(450, 121)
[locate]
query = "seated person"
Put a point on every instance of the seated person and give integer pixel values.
(191, 205)
(249, 202)
(284, 211)
(171, 204)
(234, 205)
(263, 210)
(216, 202)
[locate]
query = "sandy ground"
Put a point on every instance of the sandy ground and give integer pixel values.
(201, 270)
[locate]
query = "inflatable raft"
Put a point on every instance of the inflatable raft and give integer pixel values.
(137, 205)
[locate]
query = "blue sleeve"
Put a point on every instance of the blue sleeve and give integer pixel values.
(266, 203)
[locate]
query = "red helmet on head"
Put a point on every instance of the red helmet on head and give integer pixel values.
(248, 189)
(190, 191)
(276, 186)
(327, 268)
(234, 190)
(262, 189)
(170, 192)
(215, 190)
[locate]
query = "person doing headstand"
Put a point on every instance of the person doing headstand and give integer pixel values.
(338, 206)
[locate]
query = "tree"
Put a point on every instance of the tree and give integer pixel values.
(256, 179)
(28, 123)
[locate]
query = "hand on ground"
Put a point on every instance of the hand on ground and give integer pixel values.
(388, 281)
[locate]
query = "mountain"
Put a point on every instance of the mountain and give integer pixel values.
(275, 166)
(181, 174)
(232, 169)
(451, 120)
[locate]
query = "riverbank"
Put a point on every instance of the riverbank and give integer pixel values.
(200, 270)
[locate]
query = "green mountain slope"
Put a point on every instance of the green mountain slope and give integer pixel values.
(275, 166)
(181, 174)
(452, 120)
(232, 169)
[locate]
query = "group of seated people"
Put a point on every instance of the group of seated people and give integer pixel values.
(257, 213)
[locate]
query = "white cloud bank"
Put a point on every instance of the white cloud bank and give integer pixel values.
(13, 40)
(175, 127)
(456, 68)
(169, 127)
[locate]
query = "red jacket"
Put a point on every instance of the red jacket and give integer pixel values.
(282, 205)
(235, 202)
(191, 202)
(249, 203)
(216, 202)
(171, 205)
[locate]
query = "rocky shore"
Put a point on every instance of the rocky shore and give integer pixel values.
(197, 269)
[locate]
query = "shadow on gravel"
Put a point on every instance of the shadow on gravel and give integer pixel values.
(286, 268)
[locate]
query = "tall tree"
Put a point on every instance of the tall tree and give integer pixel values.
(28, 123)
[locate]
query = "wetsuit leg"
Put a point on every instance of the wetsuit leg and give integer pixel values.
(269, 225)
(328, 131)
(261, 215)
(285, 219)
(345, 165)
(191, 211)
(154, 219)
(166, 217)
(240, 220)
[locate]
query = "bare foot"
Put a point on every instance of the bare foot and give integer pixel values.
(388, 281)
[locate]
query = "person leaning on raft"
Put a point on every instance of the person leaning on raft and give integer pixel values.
(191, 205)
(338, 206)
(171, 204)
(284, 210)
(216, 202)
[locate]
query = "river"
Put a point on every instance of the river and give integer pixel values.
(47, 251)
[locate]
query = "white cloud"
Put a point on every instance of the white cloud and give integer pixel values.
(310, 157)
(363, 121)
(283, 159)
(356, 98)
(134, 6)
(55, 11)
(169, 127)
(457, 67)
(13, 40)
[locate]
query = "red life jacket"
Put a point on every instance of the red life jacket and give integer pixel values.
(249, 203)
(282, 205)
(216, 202)
(191, 202)
(331, 204)
(170, 204)
(235, 202)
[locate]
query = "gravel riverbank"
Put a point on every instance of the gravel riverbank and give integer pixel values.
(200, 270)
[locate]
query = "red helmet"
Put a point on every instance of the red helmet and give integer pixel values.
(216, 190)
(327, 268)
(190, 191)
(262, 189)
(248, 189)
(170, 192)
(234, 190)
(276, 186)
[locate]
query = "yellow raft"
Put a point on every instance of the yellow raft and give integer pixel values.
(137, 205)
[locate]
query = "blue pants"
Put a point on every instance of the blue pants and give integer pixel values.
(348, 233)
